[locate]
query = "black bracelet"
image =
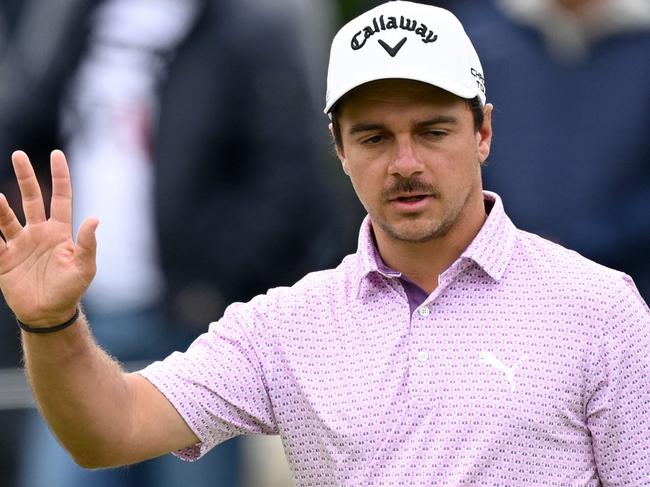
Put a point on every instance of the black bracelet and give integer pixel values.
(49, 329)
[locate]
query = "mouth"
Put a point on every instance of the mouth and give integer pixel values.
(410, 202)
(410, 198)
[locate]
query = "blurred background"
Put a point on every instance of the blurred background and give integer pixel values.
(194, 130)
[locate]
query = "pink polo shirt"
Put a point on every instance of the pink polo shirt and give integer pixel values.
(528, 365)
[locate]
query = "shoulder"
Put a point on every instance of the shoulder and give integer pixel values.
(563, 272)
(314, 288)
(315, 291)
(551, 257)
(576, 302)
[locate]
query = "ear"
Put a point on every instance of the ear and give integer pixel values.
(339, 151)
(484, 134)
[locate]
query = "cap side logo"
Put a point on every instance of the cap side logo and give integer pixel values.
(392, 50)
(480, 80)
(381, 24)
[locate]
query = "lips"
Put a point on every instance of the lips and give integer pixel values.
(410, 198)
(410, 202)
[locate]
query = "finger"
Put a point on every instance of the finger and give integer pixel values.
(61, 204)
(29, 188)
(87, 248)
(9, 224)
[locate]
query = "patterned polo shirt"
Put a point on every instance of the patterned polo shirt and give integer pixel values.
(528, 365)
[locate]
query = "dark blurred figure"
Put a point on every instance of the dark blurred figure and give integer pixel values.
(230, 136)
(10, 11)
(12, 415)
(236, 148)
(574, 165)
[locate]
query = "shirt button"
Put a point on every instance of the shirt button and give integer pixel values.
(424, 311)
(423, 356)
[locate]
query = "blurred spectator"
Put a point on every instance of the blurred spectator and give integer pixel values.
(225, 152)
(575, 167)
(237, 182)
(9, 13)
(12, 418)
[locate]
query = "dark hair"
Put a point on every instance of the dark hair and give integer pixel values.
(474, 105)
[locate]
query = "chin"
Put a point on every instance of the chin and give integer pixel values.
(416, 232)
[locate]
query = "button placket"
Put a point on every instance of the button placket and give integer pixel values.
(422, 355)
(422, 380)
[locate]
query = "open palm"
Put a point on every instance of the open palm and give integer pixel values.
(43, 273)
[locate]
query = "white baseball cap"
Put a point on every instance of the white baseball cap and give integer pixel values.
(407, 40)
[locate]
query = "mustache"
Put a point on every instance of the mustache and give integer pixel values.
(403, 185)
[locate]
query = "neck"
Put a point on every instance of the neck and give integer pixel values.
(423, 262)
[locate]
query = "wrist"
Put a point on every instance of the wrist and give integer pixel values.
(32, 328)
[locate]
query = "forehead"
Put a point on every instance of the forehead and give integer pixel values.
(393, 93)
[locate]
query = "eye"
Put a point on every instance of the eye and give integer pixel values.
(374, 140)
(435, 133)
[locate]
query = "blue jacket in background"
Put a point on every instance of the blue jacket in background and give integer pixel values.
(571, 151)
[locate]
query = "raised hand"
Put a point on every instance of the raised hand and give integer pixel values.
(43, 273)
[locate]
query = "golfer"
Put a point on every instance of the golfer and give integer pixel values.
(451, 349)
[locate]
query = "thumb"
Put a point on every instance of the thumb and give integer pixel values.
(85, 255)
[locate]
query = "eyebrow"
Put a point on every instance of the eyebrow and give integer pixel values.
(364, 127)
(440, 119)
(368, 127)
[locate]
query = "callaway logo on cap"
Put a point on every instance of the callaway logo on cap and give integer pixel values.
(406, 40)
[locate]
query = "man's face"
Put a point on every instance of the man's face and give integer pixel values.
(413, 155)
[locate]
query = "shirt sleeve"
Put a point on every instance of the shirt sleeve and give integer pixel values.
(618, 411)
(218, 384)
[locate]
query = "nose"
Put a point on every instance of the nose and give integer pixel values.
(405, 161)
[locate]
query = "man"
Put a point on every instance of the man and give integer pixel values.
(451, 349)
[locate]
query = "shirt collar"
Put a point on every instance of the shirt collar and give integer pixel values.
(493, 246)
(368, 259)
(491, 249)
